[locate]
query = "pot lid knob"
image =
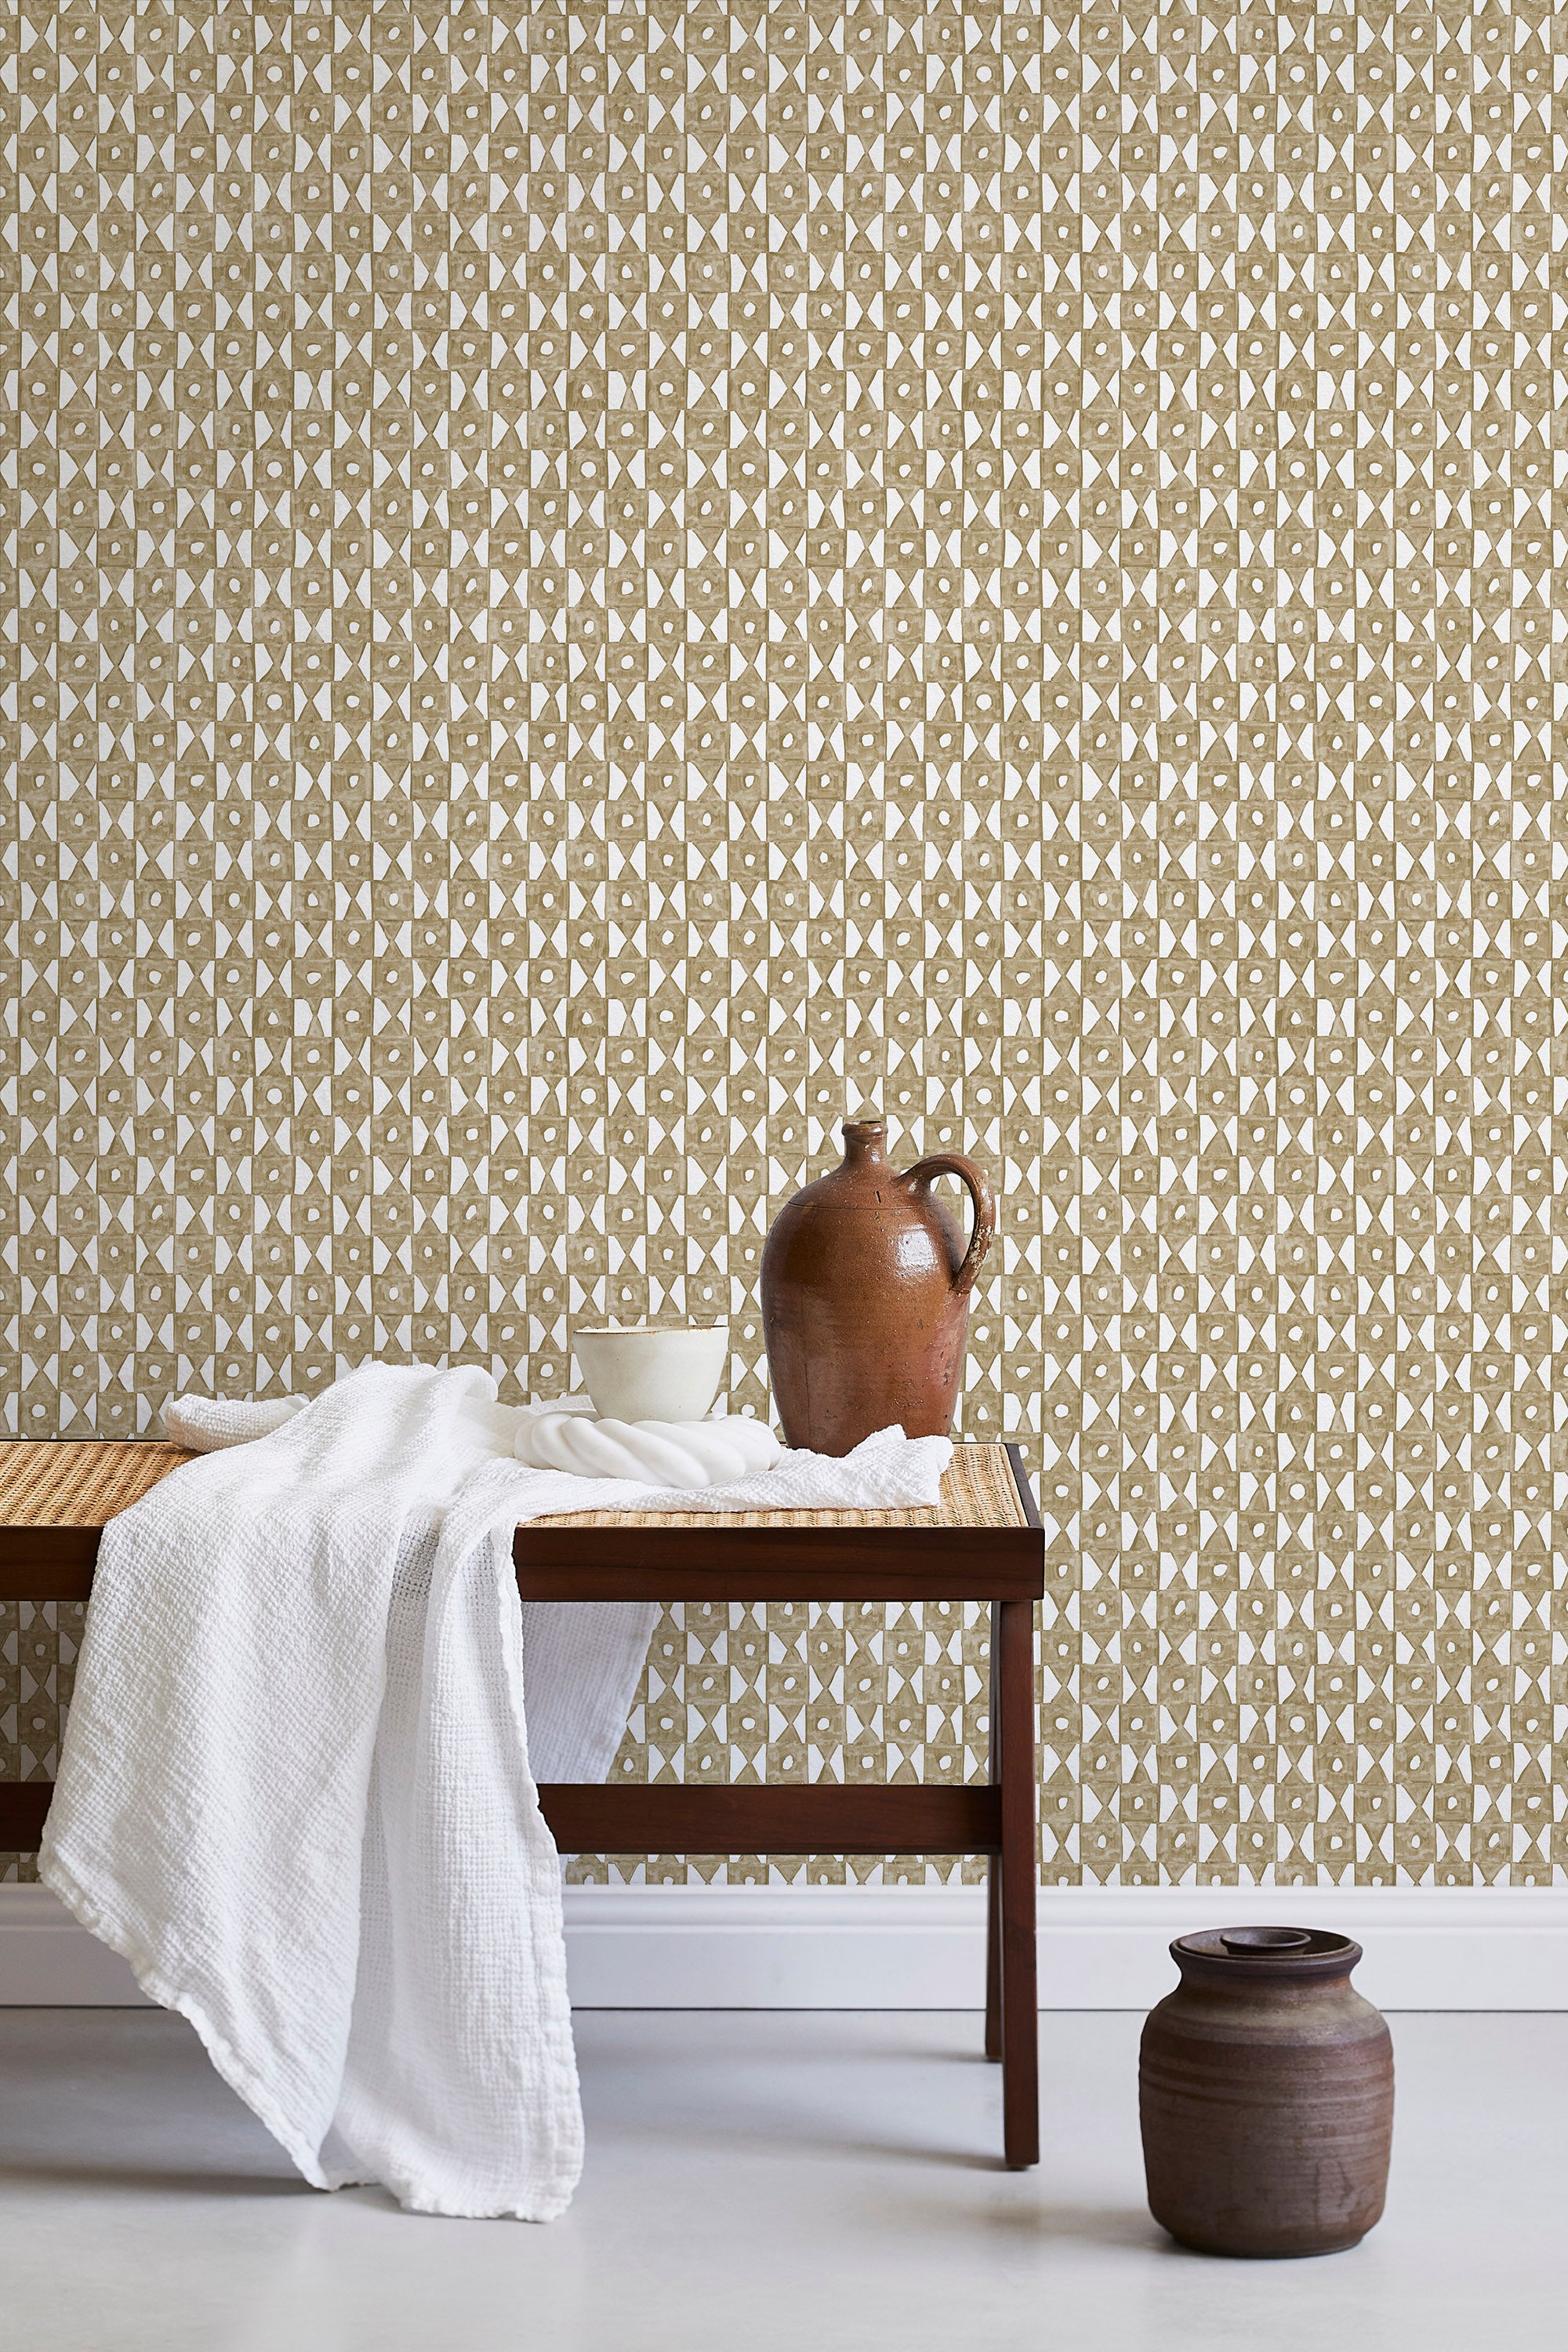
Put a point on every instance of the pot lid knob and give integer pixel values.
(1251, 1943)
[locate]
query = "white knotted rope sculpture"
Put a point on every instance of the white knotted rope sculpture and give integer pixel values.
(670, 1452)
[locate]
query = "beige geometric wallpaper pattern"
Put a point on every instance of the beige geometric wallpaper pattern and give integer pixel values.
(590, 586)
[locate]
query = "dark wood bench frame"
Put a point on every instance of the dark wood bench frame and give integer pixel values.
(1002, 1565)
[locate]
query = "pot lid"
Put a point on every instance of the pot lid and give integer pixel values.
(1315, 1949)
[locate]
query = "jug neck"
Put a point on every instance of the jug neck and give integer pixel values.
(863, 1142)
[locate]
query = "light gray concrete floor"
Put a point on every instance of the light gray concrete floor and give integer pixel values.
(775, 2183)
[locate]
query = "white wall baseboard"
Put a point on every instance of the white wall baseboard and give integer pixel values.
(924, 1947)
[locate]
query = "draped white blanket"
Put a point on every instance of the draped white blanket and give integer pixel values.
(296, 1792)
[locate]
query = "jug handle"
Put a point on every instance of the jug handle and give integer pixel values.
(953, 1163)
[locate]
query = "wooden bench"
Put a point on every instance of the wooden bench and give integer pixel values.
(983, 1542)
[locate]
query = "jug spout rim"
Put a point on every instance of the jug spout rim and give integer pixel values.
(864, 1137)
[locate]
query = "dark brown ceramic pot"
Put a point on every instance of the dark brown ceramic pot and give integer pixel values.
(1266, 2088)
(866, 1285)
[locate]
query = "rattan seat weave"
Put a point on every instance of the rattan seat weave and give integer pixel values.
(978, 1491)
(79, 1482)
(84, 1482)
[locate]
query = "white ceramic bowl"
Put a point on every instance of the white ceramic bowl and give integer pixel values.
(650, 1375)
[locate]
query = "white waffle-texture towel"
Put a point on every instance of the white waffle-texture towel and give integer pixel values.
(206, 1425)
(294, 1787)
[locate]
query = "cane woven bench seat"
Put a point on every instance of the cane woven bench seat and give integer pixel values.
(85, 1482)
(79, 1482)
(978, 1491)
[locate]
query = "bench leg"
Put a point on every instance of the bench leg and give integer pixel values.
(1014, 1719)
(993, 1958)
(994, 1866)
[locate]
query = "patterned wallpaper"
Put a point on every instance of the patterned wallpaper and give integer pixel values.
(590, 587)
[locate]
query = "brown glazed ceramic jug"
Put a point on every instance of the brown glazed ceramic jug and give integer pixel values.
(1266, 2090)
(866, 1285)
